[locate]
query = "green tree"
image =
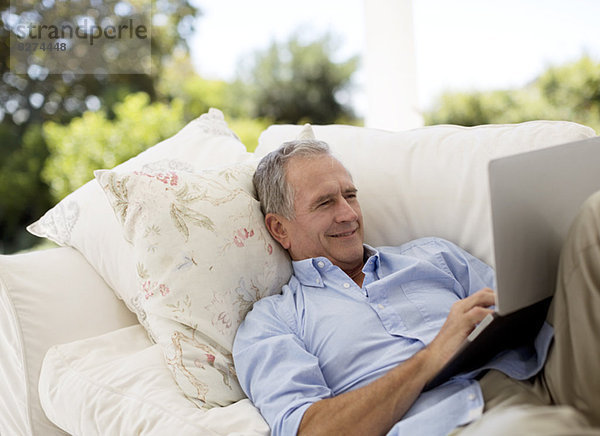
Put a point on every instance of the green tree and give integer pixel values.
(568, 92)
(297, 81)
(27, 100)
(24, 195)
(573, 91)
(92, 141)
(38, 95)
(179, 80)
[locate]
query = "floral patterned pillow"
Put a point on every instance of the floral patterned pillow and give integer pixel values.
(203, 257)
(85, 221)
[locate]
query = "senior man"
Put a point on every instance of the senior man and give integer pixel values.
(349, 345)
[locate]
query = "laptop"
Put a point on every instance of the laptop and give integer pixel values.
(534, 196)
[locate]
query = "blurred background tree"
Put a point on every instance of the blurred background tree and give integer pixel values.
(29, 100)
(92, 141)
(298, 81)
(180, 81)
(565, 92)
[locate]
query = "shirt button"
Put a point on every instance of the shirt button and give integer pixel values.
(381, 306)
(321, 264)
(471, 397)
(346, 285)
(318, 281)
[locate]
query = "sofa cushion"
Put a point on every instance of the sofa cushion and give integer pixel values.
(46, 297)
(203, 256)
(430, 181)
(118, 383)
(84, 219)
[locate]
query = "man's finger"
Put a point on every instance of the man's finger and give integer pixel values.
(477, 314)
(485, 296)
(482, 298)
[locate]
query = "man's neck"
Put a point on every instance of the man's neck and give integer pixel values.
(357, 275)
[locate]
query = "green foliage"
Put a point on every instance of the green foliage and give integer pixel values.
(27, 101)
(180, 81)
(297, 82)
(64, 96)
(92, 141)
(573, 91)
(23, 195)
(248, 130)
(569, 92)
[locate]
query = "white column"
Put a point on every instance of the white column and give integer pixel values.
(390, 66)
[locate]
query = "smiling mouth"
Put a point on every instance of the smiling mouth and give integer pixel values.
(344, 235)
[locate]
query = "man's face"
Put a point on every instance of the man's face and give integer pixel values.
(328, 220)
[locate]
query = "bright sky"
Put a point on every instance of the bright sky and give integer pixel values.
(459, 44)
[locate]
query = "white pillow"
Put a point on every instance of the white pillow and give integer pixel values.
(430, 181)
(118, 384)
(46, 297)
(84, 219)
(203, 257)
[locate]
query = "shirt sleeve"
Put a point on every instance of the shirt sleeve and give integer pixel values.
(274, 369)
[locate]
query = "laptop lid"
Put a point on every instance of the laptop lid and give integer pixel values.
(534, 198)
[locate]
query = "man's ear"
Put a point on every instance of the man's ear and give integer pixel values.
(276, 227)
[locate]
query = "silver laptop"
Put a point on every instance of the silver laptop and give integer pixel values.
(534, 198)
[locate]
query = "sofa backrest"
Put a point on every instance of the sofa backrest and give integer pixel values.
(430, 181)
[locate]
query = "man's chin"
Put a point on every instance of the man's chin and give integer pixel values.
(352, 255)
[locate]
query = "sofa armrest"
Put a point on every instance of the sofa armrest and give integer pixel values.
(46, 297)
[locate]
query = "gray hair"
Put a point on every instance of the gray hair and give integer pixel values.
(274, 193)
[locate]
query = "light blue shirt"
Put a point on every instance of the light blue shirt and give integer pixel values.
(325, 335)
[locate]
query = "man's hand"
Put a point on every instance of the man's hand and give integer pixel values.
(375, 408)
(464, 316)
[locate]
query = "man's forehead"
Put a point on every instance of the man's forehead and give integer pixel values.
(316, 191)
(332, 188)
(307, 172)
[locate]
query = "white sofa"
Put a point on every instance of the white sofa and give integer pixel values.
(84, 343)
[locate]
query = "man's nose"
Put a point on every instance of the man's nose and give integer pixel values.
(345, 212)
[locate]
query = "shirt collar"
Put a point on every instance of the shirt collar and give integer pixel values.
(310, 272)
(373, 262)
